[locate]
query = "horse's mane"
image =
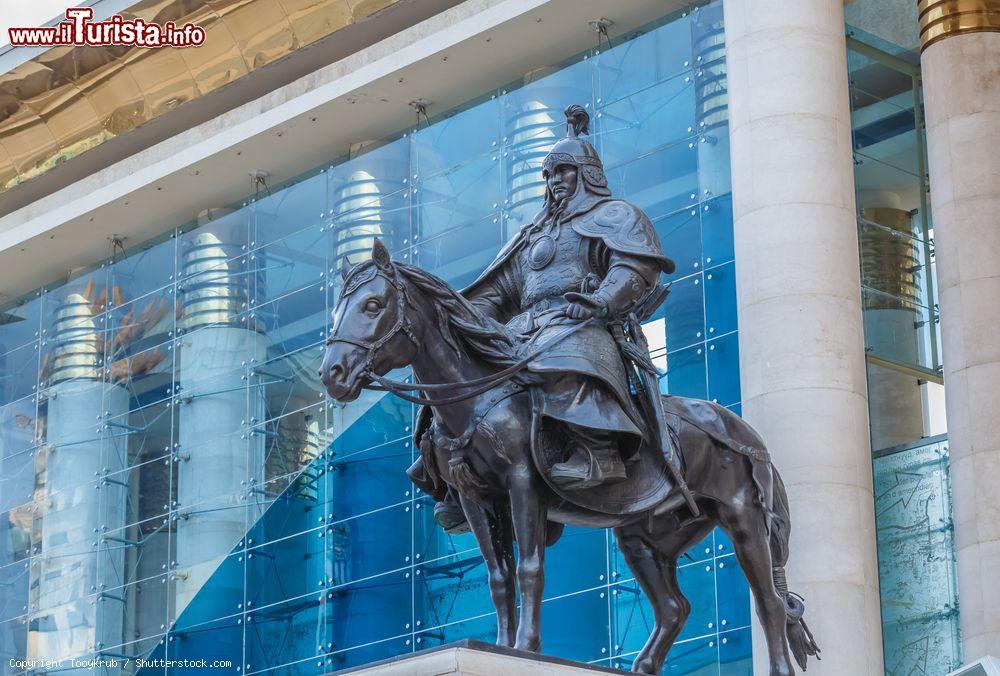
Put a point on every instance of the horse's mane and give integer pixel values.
(481, 336)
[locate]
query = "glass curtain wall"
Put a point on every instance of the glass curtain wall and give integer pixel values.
(905, 388)
(175, 483)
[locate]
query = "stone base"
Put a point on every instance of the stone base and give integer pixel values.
(473, 658)
(987, 666)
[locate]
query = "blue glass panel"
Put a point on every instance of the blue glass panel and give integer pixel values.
(724, 370)
(578, 561)
(457, 196)
(647, 120)
(641, 63)
(292, 263)
(697, 582)
(144, 370)
(433, 546)
(220, 639)
(377, 420)
(713, 160)
(14, 642)
(284, 632)
(462, 254)
(453, 588)
(717, 230)
(697, 656)
(14, 585)
(370, 610)
(686, 373)
(20, 322)
(680, 235)
(723, 545)
(142, 270)
(369, 479)
(720, 300)
(457, 140)
(735, 653)
(482, 628)
(684, 311)
(289, 210)
(638, 180)
(700, 552)
(370, 197)
(291, 322)
(631, 618)
(18, 426)
(366, 654)
(20, 373)
(920, 619)
(224, 599)
(288, 384)
(532, 121)
(576, 625)
(734, 603)
(365, 551)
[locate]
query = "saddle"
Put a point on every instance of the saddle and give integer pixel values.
(649, 484)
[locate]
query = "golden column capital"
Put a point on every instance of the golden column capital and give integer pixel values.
(940, 19)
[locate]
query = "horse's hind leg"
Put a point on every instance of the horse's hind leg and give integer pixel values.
(745, 522)
(655, 569)
(493, 534)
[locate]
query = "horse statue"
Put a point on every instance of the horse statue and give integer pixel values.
(490, 449)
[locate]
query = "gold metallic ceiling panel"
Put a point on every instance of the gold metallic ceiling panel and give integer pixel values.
(314, 19)
(70, 99)
(940, 19)
(218, 61)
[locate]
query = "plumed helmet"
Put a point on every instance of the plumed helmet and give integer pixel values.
(577, 152)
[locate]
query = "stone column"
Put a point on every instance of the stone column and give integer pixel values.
(802, 358)
(961, 73)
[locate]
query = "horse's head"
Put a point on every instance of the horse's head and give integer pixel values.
(372, 332)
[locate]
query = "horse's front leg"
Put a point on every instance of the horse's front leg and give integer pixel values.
(529, 513)
(493, 534)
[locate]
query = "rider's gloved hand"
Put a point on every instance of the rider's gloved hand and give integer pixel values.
(585, 305)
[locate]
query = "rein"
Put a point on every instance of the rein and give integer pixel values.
(481, 385)
(402, 324)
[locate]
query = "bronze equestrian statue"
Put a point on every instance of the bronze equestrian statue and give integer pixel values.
(543, 409)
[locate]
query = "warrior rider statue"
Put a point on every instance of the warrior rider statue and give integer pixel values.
(584, 255)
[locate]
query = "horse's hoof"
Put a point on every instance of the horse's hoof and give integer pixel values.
(505, 642)
(529, 646)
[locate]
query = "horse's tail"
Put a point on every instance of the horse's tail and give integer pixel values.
(800, 639)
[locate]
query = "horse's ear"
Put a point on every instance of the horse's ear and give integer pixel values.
(345, 268)
(380, 254)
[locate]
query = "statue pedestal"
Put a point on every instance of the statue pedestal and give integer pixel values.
(473, 658)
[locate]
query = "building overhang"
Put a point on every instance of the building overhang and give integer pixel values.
(447, 59)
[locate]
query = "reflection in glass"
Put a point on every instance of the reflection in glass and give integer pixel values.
(173, 480)
(916, 552)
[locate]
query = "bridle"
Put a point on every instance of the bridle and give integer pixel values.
(403, 324)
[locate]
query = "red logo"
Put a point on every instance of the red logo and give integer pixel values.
(80, 29)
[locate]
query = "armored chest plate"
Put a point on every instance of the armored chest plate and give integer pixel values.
(553, 265)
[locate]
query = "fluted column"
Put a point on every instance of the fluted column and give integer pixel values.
(961, 73)
(802, 357)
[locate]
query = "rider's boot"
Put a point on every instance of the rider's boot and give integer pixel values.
(588, 467)
(450, 515)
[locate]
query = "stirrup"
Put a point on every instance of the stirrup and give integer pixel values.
(587, 473)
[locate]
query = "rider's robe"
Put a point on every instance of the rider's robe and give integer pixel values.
(582, 378)
(584, 381)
